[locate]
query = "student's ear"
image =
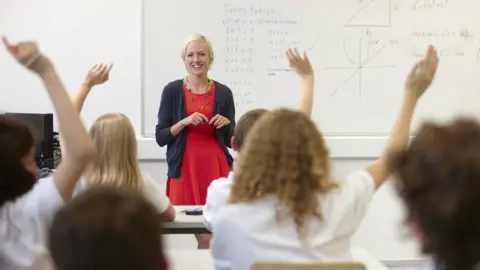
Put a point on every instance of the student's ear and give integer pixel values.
(232, 139)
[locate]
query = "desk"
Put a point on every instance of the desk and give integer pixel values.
(202, 260)
(184, 224)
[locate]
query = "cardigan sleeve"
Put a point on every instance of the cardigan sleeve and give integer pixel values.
(163, 135)
(230, 115)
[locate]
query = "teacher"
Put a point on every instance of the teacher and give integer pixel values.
(196, 120)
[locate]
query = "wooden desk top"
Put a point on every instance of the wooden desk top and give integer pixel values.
(185, 224)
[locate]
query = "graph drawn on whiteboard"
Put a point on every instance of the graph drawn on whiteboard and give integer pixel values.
(372, 13)
(360, 64)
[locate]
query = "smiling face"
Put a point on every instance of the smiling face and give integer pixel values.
(197, 57)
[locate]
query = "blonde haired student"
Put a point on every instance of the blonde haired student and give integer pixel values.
(116, 143)
(219, 190)
(284, 204)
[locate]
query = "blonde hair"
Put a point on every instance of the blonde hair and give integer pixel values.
(284, 155)
(198, 37)
(116, 163)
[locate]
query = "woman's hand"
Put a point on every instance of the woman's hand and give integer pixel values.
(194, 119)
(99, 74)
(219, 121)
(422, 74)
(28, 54)
(300, 64)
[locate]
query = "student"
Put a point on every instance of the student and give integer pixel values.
(117, 161)
(437, 178)
(28, 205)
(107, 228)
(284, 205)
(219, 190)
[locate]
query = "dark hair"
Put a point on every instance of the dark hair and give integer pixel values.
(107, 228)
(244, 125)
(438, 179)
(16, 141)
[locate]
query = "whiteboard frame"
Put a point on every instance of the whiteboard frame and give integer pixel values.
(341, 147)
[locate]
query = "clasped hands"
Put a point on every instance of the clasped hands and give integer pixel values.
(218, 120)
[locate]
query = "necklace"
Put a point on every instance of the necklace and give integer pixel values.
(201, 101)
(186, 84)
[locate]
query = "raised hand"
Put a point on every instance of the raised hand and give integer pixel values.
(300, 64)
(422, 73)
(98, 74)
(28, 54)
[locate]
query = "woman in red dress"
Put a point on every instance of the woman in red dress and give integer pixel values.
(196, 119)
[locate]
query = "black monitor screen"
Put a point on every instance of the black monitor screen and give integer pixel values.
(37, 124)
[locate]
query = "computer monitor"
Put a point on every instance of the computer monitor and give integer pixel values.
(42, 128)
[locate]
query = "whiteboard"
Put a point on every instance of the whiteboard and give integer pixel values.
(361, 51)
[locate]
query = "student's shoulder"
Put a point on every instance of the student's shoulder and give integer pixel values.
(358, 184)
(45, 185)
(220, 183)
(238, 212)
(80, 187)
(225, 213)
(147, 178)
(361, 176)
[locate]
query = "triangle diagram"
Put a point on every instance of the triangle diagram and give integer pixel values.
(373, 13)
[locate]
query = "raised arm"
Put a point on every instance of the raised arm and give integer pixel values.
(98, 74)
(302, 66)
(418, 80)
(78, 144)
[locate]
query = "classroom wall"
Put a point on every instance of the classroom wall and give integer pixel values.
(382, 232)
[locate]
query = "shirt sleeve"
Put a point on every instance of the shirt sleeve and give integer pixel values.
(155, 194)
(361, 188)
(42, 202)
(217, 195)
(219, 247)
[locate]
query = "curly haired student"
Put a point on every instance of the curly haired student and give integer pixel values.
(284, 204)
(219, 190)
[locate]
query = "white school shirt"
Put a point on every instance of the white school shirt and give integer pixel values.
(24, 226)
(153, 192)
(248, 232)
(217, 195)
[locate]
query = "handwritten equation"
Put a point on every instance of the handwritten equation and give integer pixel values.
(463, 34)
(256, 38)
(428, 5)
(449, 42)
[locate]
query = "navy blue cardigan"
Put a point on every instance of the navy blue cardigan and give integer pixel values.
(173, 109)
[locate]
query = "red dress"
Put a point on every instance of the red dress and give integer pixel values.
(203, 159)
